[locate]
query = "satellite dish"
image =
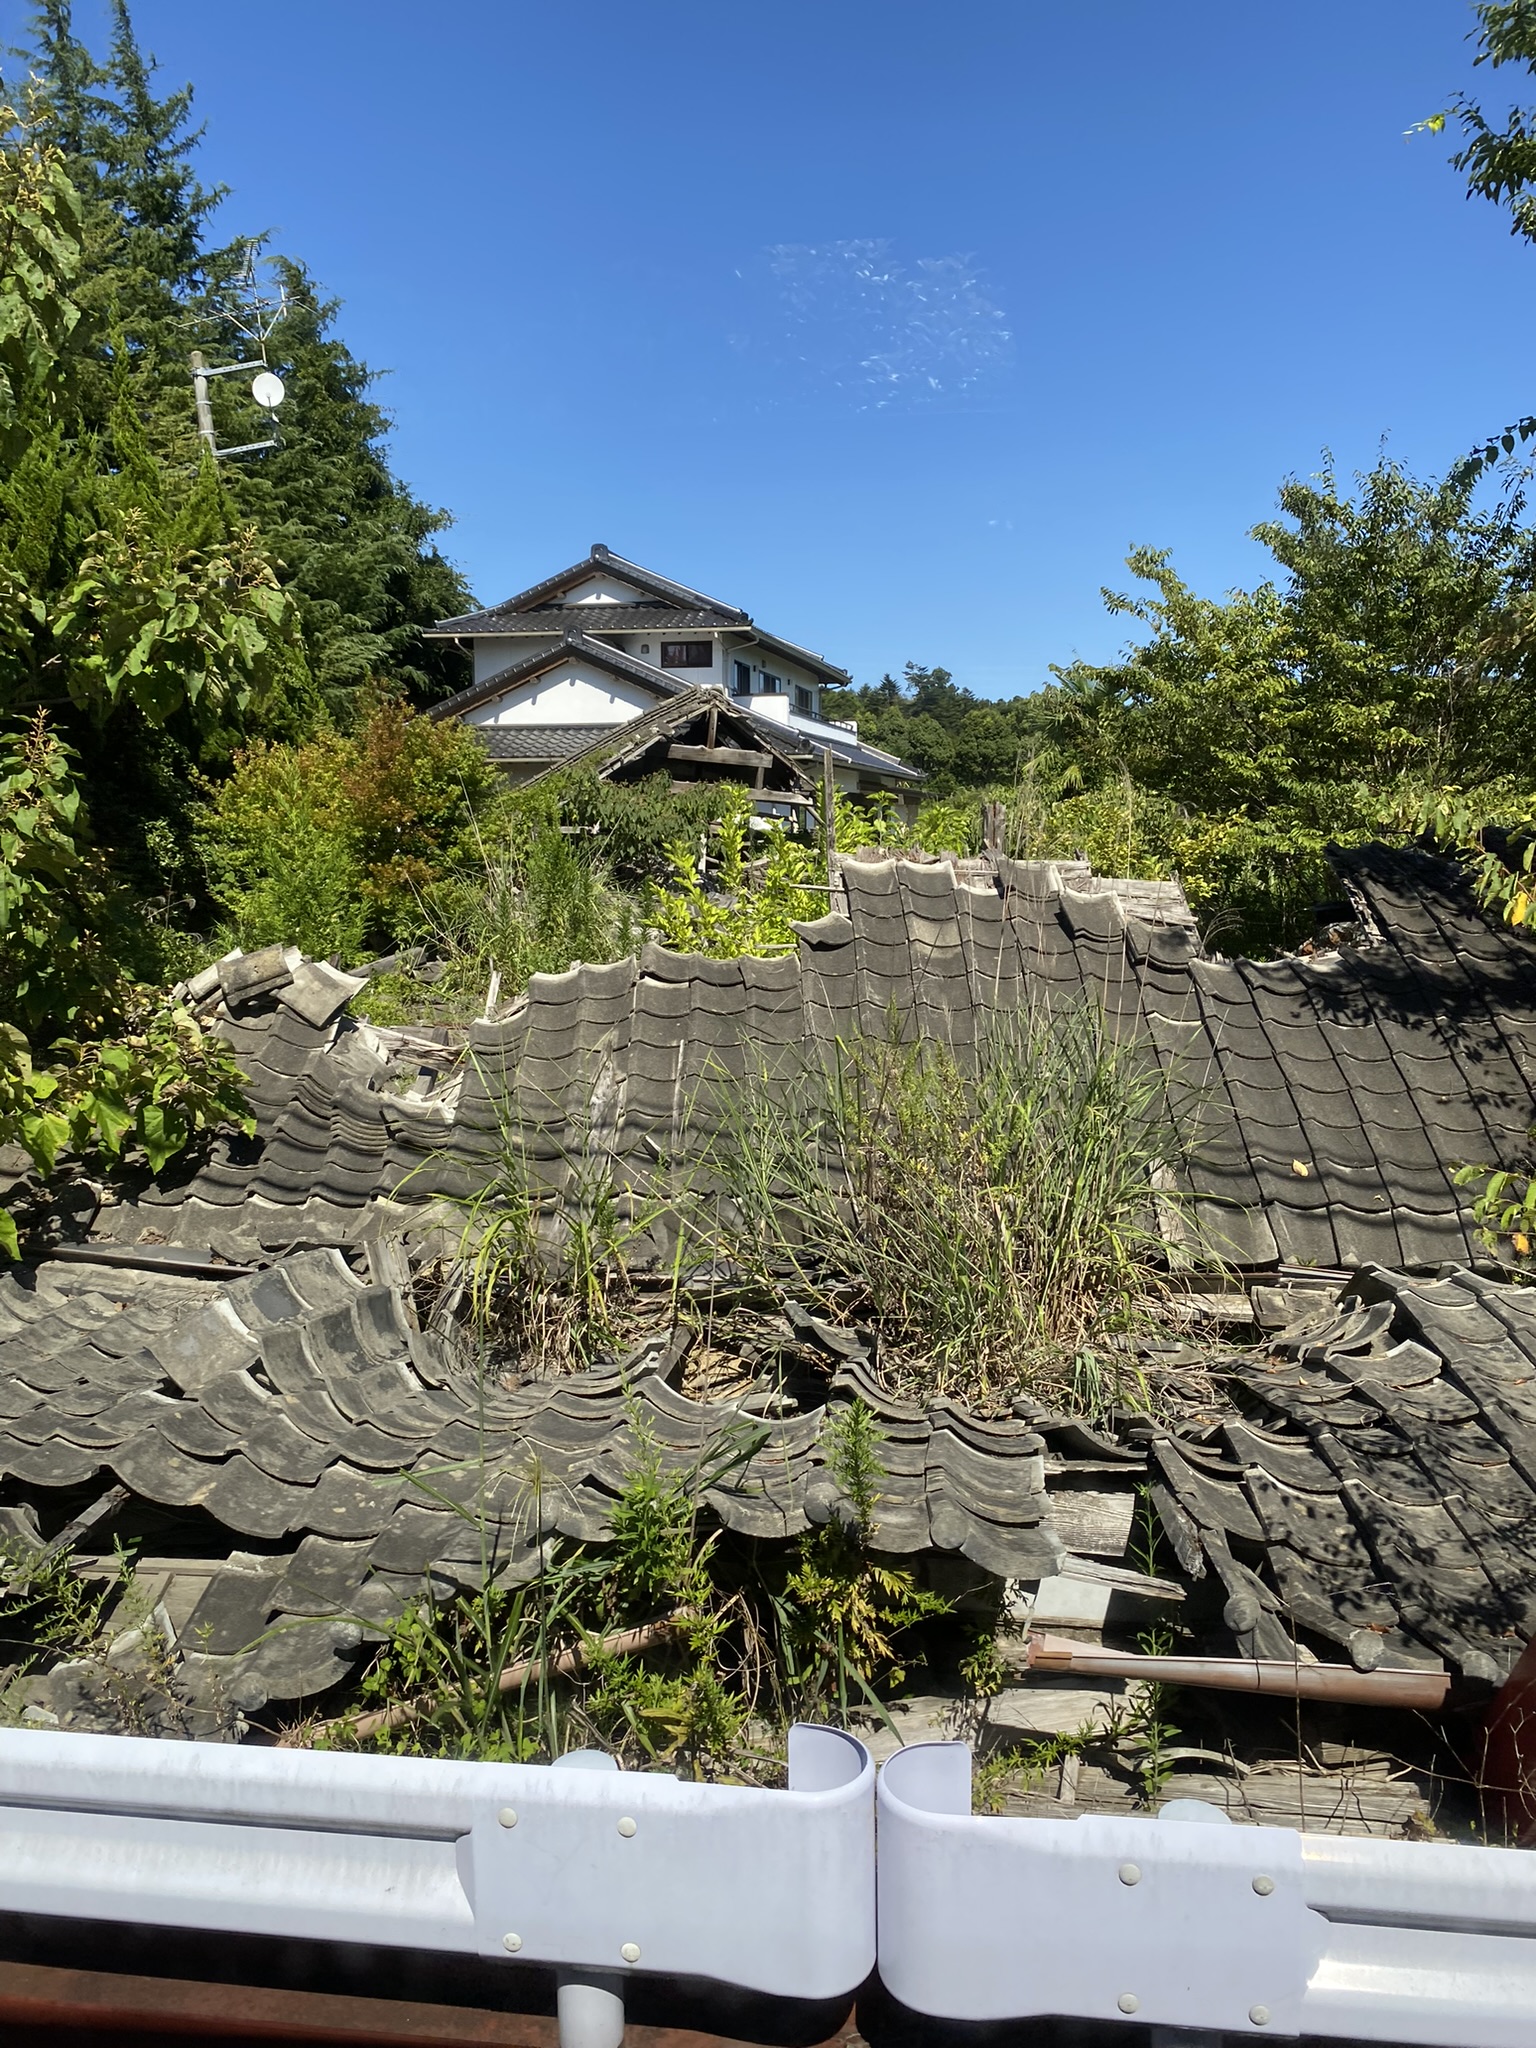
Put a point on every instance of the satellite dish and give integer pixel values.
(267, 390)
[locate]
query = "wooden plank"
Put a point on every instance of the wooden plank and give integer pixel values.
(1093, 1523)
(721, 757)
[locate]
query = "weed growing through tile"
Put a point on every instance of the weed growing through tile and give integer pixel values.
(661, 1645)
(547, 1283)
(997, 1217)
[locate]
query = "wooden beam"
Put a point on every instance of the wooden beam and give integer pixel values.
(720, 757)
(828, 815)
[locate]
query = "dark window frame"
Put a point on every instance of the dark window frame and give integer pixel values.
(741, 679)
(687, 653)
(773, 686)
(805, 703)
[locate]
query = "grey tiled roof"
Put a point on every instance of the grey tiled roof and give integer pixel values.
(1327, 1102)
(1377, 1493)
(845, 749)
(616, 746)
(539, 742)
(292, 1407)
(690, 609)
(660, 682)
(601, 561)
(611, 618)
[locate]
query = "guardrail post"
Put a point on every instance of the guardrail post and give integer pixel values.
(590, 2003)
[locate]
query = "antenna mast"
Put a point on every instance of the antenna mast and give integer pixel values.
(253, 311)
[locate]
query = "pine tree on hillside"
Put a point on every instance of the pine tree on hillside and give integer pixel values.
(348, 538)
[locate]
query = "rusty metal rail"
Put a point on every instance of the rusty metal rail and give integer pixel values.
(39, 1998)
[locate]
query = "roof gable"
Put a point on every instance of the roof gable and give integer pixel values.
(657, 682)
(622, 745)
(602, 570)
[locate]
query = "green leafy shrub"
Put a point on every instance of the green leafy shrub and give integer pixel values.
(950, 824)
(336, 843)
(108, 1065)
(277, 842)
(844, 1614)
(752, 897)
(630, 826)
(416, 791)
(739, 1644)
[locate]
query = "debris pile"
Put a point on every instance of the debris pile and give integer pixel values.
(229, 1370)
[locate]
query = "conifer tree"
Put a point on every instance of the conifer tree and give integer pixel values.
(349, 540)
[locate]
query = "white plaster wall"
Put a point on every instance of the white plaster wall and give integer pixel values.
(603, 589)
(572, 693)
(494, 651)
(788, 673)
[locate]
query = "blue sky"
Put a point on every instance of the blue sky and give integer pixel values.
(897, 324)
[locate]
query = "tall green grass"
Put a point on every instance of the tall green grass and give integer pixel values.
(996, 1215)
(533, 901)
(546, 1246)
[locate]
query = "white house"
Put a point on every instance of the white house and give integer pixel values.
(559, 668)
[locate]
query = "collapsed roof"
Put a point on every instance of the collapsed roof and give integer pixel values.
(300, 1446)
(1327, 1102)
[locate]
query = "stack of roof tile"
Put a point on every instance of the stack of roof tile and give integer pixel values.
(1326, 1101)
(299, 1410)
(1377, 1488)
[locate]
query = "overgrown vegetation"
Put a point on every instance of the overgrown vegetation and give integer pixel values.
(667, 1646)
(123, 595)
(553, 1289)
(338, 843)
(992, 1215)
(751, 897)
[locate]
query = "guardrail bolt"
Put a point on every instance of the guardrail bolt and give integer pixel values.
(1130, 1873)
(1259, 2014)
(1128, 2002)
(512, 1943)
(631, 1949)
(1263, 1886)
(507, 1817)
(626, 1827)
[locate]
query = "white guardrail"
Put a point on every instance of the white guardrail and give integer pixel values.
(600, 1871)
(1243, 1930)
(604, 1874)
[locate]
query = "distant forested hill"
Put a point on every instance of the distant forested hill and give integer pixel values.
(959, 740)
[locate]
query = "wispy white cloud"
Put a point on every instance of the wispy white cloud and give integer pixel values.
(853, 319)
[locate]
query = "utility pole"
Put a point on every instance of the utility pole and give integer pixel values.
(200, 400)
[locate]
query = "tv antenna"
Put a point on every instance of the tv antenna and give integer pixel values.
(253, 311)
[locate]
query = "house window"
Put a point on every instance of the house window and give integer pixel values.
(772, 685)
(741, 679)
(802, 700)
(687, 654)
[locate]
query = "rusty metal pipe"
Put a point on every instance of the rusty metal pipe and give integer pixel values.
(1424, 1690)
